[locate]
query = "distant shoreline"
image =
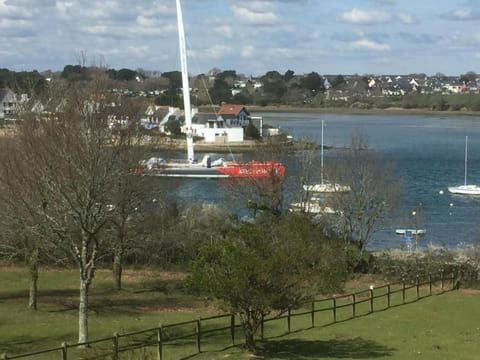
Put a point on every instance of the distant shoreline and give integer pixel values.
(353, 111)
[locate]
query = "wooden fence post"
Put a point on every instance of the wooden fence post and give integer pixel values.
(159, 342)
(334, 309)
(430, 283)
(198, 331)
(232, 328)
(417, 280)
(354, 303)
(441, 278)
(261, 327)
(403, 290)
(289, 315)
(313, 314)
(115, 346)
(371, 300)
(64, 351)
(453, 280)
(388, 295)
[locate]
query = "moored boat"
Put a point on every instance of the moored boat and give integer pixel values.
(411, 232)
(206, 168)
(465, 189)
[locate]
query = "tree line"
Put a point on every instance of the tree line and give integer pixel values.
(311, 90)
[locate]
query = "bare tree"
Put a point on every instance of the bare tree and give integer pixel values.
(20, 219)
(129, 191)
(74, 160)
(374, 191)
(23, 232)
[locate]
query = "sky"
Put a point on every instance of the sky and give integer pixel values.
(249, 36)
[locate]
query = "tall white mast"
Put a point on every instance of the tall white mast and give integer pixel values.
(321, 157)
(185, 84)
(466, 155)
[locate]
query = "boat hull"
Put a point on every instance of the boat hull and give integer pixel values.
(326, 188)
(413, 232)
(254, 169)
(465, 190)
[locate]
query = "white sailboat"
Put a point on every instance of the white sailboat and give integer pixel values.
(206, 168)
(316, 204)
(465, 189)
(324, 187)
(407, 232)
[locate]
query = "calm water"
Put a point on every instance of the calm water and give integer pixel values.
(428, 152)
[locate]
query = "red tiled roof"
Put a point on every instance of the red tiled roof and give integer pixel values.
(230, 109)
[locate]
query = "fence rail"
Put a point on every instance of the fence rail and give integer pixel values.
(198, 332)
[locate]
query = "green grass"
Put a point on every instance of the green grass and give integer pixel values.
(149, 299)
(439, 327)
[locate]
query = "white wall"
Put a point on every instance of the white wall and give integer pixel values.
(231, 134)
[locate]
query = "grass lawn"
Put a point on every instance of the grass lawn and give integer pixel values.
(443, 326)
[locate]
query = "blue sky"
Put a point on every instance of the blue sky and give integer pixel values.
(249, 36)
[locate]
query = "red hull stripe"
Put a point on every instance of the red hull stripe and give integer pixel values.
(254, 169)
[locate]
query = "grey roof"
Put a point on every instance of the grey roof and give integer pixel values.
(3, 93)
(202, 118)
(160, 113)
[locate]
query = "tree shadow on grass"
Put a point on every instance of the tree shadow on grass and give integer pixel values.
(355, 348)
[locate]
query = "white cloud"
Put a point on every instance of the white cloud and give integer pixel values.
(255, 13)
(281, 52)
(406, 18)
(357, 16)
(367, 44)
(138, 50)
(248, 51)
(224, 30)
(14, 25)
(146, 21)
(97, 29)
(462, 14)
(216, 51)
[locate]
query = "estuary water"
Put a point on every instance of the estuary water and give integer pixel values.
(428, 153)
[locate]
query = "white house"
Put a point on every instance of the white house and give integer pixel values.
(213, 128)
(8, 104)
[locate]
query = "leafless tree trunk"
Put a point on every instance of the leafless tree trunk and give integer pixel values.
(32, 263)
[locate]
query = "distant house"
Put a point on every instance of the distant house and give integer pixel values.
(158, 116)
(215, 128)
(8, 105)
(234, 115)
(227, 125)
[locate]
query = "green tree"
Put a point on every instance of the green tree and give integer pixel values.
(75, 72)
(338, 82)
(126, 75)
(470, 76)
(242, 98)
(174, 127)
(252, 132)
(271, 76)
(313, 82)
(220, 91)
(289, 74)
(174, 80)
(275, 263)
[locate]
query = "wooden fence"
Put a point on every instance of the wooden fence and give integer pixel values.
(191, 337)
